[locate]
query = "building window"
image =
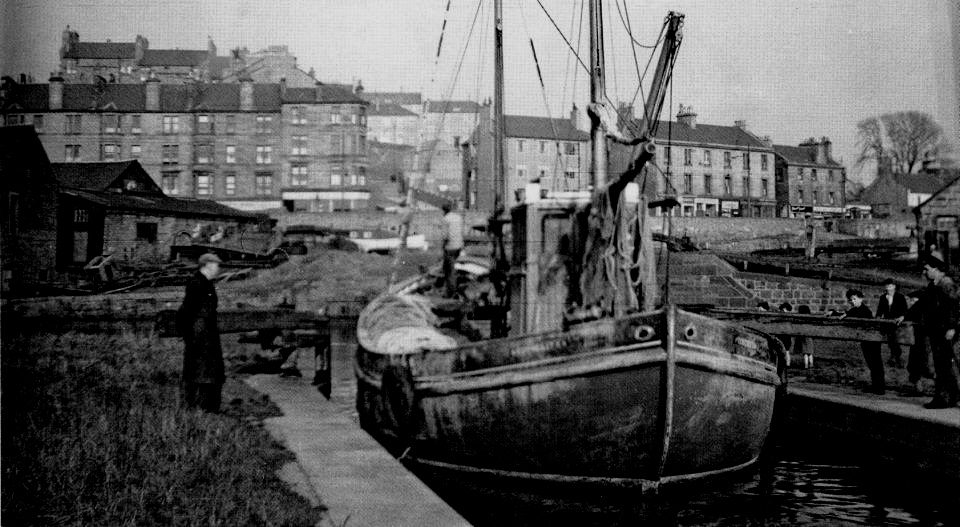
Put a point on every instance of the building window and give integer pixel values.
(571, 149)
(298, 145)
(170, 183)
(687, 157)
(171, 124)
(264, 184)
(264, 124)
(832, 197)
(830, 176)
(349, 144)
(38, 123)
(109, 152)
(336, 179)
(727, 185)
(110, 123)
(204, 124)
(707, 158)
(336, 144)
(204, 184)
(707, 184)
(263, 154)
(203, 153)
(522, 174)
(543, 147)
(800, 174)
(81, 216)
(362, 145)
(73, 124)
(231, 156)
(667, 155)
(170, 154)
(298, 115)
(764, 190)
(71, 153)
(147, 232)
(800, 196)
(13, 120)
(763, 161)
(135, 124)
(231, 126)
(230, 184)
(136, 151)
(688, 183)
(520, 145)
(298, 175)
(813, 174)
(816, 196)
(334, 114)
(746, 186)
(569, 174)
(726, 160)
(746, 160)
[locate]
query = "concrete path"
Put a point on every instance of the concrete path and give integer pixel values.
(360, 483)
(891, 403)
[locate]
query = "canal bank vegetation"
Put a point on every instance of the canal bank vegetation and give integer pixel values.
(93, 434)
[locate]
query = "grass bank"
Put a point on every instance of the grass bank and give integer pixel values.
(93, 434)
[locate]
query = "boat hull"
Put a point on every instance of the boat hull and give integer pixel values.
(655, 397)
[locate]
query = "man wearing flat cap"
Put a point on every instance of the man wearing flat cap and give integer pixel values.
(940, 304)
(203, 374)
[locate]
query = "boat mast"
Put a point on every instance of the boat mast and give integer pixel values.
(499, 164)
(598, 139)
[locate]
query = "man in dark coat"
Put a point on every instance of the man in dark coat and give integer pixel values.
(940, 305)
(892, 306)
(871, 350)
(203, 374)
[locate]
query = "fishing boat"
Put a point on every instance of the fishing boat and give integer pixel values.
(566, 362)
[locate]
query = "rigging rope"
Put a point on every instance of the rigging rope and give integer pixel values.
(567, 41)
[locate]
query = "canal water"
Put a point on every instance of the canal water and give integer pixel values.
(801, 482)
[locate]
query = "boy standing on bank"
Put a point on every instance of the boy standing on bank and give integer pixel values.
(871, 350)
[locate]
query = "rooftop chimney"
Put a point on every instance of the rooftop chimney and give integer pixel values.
(318, 91)
(56, 92)
(246, 93)
(687, 116)
(741, 124)
(283, 87)
(825, 150)
(575, 117)
(359, 89)
(153, 94)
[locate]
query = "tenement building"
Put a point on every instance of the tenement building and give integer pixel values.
(553, 152)
(712, 170)
(809, 180)
(248, 145)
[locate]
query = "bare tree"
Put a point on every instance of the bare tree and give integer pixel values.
(900, 140)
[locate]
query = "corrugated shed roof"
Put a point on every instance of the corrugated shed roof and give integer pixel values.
(92, 176)
(452, 107)
(159, 204)
(173, 57)
(102, 50)
(798, 155)
(388, 110)
(542, 128)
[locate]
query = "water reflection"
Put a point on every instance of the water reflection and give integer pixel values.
(789, 491)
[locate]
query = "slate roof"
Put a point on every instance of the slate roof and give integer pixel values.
(328, 94)
(102, 175)
(388, 110)
(708, 134)
(173, 57)
(796, 155)
(20, 148)
(452, 107)
(161, 204)
(920, 183)
(401, 98)
(102, 50)
(542, 128)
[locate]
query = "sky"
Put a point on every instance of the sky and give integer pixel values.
(791, 69)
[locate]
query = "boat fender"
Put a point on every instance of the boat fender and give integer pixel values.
(399, 398)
